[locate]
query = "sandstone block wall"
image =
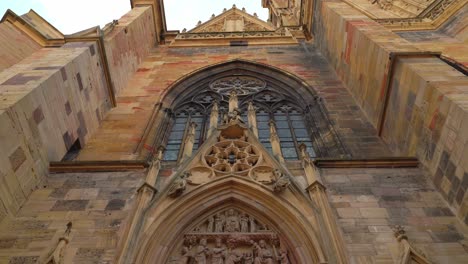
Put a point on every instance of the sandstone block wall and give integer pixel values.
(95, 203)
(128, 44)
(370, 202)
(47, 102)
(428, 118)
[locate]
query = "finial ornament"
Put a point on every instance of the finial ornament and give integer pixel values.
(199, 22)
(213, 16)
(184, 30)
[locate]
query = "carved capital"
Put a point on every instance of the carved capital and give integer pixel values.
(146, 187)
(316, 186)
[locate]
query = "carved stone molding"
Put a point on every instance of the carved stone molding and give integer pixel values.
(429, 19)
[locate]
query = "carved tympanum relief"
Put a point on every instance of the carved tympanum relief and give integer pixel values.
(230, 236)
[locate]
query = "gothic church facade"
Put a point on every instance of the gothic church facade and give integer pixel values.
(334, 132)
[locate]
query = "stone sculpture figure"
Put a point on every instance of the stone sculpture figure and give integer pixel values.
(202, 252)
(232, 222)
(281, 181)
(248, 258)
(283, 257)
(263, 254)
(233, 257)
(218, 252)
(179, 185)
(219, 222)
(253, 227)
(210, 226)
(185, 258)
(234, 115)
(244, 223)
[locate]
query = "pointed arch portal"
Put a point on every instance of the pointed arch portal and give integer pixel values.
(165, 236)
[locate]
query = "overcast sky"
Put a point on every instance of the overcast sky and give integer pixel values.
(72, 16)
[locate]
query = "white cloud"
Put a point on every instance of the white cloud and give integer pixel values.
(72, 16)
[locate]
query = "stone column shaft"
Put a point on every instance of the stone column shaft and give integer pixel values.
(317, 193)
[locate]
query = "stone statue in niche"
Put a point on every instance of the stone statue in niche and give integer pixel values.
(281, 181)
(210, 226)
(219, 222)
(202, 252)
(244, 223)
(262, 253)
(252, 224)
(232, 222)
(218, 252)
(179, 185)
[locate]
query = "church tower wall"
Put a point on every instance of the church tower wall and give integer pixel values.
(415, 100)
(128, 44)
(51, 99)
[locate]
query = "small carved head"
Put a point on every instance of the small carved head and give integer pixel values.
(186, 175)
(203, 242)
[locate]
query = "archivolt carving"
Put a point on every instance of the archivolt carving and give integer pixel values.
(230, 236)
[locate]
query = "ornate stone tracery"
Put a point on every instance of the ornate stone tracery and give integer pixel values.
(269, 99)
(242, 85)
(233, 154)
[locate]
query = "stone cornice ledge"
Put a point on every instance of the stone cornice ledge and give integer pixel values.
(383, 162)
(97, 166)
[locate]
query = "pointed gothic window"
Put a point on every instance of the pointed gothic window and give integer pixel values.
(269, 105)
